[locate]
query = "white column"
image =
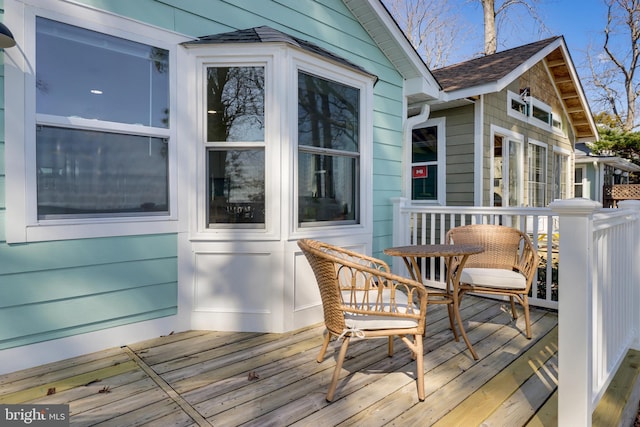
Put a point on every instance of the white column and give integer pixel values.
(575, 331)
(400, 230)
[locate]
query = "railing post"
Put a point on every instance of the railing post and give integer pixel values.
(575, 320)
(634, 205)
(400, 229)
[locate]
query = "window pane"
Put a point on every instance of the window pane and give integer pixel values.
(235, 104)
(327, 188)
(425, 188)
(424, 145)
(328, 114)
(541, 114)
(80, 74)
(537, 175)
(86, 173)
(236, 187)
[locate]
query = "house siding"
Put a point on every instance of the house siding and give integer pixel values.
(459, 131)
(50, 290)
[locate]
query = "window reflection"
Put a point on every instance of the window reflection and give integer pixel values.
(79, 74)
(328, 144)
(235, 104)
(236, 187)
(86, 173)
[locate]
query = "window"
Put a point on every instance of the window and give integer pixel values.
(507, 171)
(580, 188)
(532, 110)
(107, 171)
(537, 156)
(96, 155)
(236, 142)
(328, 151)
(424, 163)
(560, 173)
(427, 174)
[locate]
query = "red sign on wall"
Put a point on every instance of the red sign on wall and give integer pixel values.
(419, 172)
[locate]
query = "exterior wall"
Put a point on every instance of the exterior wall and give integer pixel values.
(495, 113)
(50, 290)
(460, 154)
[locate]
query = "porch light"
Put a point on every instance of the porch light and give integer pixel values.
(625, 174)
(6, 38)
(617, 172)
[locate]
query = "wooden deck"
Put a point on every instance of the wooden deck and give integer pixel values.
(230, 379)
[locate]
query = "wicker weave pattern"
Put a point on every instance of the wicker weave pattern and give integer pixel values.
(355, 284)
(504, 248)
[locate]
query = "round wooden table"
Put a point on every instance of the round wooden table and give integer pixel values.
(455, 257)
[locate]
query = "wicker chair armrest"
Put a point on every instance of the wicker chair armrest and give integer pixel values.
(529, 260)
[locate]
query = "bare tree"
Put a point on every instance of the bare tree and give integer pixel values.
(432, 27)
(613, 69)
(492, 11)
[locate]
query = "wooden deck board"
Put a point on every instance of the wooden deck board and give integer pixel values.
(273, 379)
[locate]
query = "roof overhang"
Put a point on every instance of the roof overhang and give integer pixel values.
(420, 85)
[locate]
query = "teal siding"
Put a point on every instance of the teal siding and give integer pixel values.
(63, 288)
(51, 290)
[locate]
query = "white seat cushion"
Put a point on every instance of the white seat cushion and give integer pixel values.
(493, 278)
(366, 322)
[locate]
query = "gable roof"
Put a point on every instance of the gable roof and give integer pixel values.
(486, 69)
(492, 73)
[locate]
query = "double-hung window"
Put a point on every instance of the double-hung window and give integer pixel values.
(101, 138)
(91, 123)
(235, 121)
(328, 151)
(427, 161)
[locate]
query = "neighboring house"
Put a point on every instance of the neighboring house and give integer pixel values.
(505, 131)
(595, 171)
(156, 181)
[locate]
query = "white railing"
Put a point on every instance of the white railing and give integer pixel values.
(599, 297)
(423, 224)
(596, 287)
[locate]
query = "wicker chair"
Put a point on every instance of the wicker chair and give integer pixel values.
(361, 298)
(506, 267)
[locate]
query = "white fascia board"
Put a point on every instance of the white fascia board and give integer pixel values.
(384, 30)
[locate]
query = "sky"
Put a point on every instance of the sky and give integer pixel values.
(581, 22)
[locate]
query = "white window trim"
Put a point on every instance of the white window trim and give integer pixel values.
(528, 118)
(441, 125)
(532, 141)
(22, 222)
(518, 138)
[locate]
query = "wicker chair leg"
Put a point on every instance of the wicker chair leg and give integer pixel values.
(527, 320)
(336, 372)
(325, 345)
(419, 366)
(451, 323)
(514, 313)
